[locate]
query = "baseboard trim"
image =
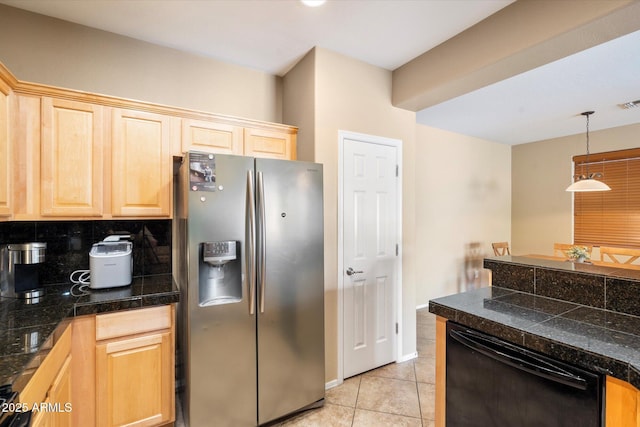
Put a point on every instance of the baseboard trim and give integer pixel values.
(331, 384)
(408, 357)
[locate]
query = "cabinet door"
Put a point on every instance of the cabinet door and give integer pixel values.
(60, 396)
(42, 418)
(270, 144)
(49, 389)
(621, 403)
(142, 164)
(26, 129)
(5, 163)
(441, 374)
(211, 137)
(72, 155)
(134, 384)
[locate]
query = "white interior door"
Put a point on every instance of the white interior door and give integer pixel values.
(370, 261)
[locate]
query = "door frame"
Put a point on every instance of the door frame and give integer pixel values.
(397, 293)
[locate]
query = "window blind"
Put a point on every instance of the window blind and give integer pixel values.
(609, 218)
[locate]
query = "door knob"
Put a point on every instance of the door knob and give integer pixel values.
(351, 271)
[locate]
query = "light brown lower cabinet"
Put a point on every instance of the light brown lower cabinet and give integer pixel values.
(133, 386)
(48, 392)
(441, 370)
(130, 355)
(57, 408)
(622, 400)
(622, 404)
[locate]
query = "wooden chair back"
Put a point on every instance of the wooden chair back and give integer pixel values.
(619, 255)
(560, 249)
(501, 248)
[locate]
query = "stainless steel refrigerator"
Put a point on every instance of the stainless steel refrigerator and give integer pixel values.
(250, 269)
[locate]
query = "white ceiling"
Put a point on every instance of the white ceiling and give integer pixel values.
(546, 102)
(272, 35)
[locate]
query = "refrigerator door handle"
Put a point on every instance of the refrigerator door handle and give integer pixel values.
(250, 250)
(262, 245)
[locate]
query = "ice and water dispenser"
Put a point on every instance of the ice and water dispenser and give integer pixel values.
(220, 273)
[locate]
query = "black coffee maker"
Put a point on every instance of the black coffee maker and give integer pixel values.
(20, 270)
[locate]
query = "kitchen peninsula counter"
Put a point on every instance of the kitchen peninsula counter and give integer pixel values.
(581, 314)
(29, 331)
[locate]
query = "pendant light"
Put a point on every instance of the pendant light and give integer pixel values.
(587, 182)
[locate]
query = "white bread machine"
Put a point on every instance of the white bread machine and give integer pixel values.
(111, 263)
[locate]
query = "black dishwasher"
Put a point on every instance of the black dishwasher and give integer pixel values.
(493, 383)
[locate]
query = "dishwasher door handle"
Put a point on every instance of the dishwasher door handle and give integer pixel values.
(510, 355)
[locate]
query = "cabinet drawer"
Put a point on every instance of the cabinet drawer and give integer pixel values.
(113, 325)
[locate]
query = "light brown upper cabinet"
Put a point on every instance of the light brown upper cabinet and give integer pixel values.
(75, 159)
(269, 143)
(24, 133)
(141, 164)
(68, 154)
(5, 153)
(72, 157)
(210, 136)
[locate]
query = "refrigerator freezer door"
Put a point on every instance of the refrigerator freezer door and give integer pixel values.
(291, 297)
(221, 365)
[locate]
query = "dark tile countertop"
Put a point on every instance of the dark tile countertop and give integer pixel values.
(567, 266)
(603, 340)
(29, 331)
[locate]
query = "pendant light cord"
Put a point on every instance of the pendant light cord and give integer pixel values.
(587, 182)
(587, 114)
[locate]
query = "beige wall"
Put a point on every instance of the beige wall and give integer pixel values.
(299, 100)
(542, 209)
(331, 93)
(326, 92)
(353, 96)
(44, 50)
(463, 196)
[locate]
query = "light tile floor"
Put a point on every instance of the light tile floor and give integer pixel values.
(398, 394)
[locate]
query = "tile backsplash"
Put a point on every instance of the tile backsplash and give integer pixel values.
(69, 243)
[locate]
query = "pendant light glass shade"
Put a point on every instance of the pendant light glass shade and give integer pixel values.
(587, 182)
(588, 185)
